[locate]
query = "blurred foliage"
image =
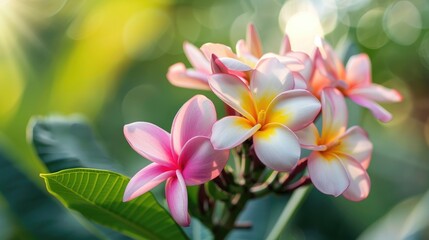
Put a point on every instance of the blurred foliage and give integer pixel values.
(63, 143)
(108, 60)
(33, 210)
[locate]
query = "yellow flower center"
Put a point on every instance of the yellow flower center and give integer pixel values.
(261, 117)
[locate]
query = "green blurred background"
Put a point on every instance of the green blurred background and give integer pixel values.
(108, 59)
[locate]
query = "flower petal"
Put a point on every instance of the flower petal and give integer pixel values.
(306, 70)
(285, 47)
(319, 81)
(146, 179)
(277, 147)
(360, 183)
(231, 131)
(358, 71)
(289, 61)
(201, 162)
(244, 54)
(378, 111)
(332, 65)
(217, 49)
(334, 114)
(235, 93)
(308, 138)
(355, 143)
(195, 118)
(151, 142)
(295, 109)
(229, 66)
(377, 93)
(269, 79)
(253, 41)
(328, 173)
(177, 199)
(300, 82)
(234, 64)
(196, 58)
(179, 76)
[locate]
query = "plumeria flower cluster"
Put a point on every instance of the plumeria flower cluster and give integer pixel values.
(273, 101)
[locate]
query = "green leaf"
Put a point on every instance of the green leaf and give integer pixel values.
(97, 194)
(38, 214)
(290, 209)
(69, 142)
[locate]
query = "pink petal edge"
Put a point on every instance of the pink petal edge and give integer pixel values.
(145, 180)
(195, 118)
(177, 199)
(200, 162)
(151, 142)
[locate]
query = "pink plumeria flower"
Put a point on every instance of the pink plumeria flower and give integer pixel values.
(183, 158)
(354, 81)
(340, 157)
(197, 76)
(249, 52)
(270, 112)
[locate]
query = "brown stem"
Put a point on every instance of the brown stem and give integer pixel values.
(301, 182)
(302, 164)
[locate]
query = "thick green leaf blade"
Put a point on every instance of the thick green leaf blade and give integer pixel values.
(68, 142)
(35, 211)
(97, 194)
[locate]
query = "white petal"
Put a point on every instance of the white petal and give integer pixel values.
(277, 147)
(355, 143)
(334, 114)
(217, 49)
(269, 79)
(308, 138)
(360, 183)
(235, 93)
(328, 173)
(295, 109)
(231, 131)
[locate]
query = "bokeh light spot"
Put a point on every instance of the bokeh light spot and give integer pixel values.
(370, 31)
(305, 20)
(402, 22)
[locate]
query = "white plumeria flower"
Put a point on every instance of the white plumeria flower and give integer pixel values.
(271, 110)
(340, 156)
